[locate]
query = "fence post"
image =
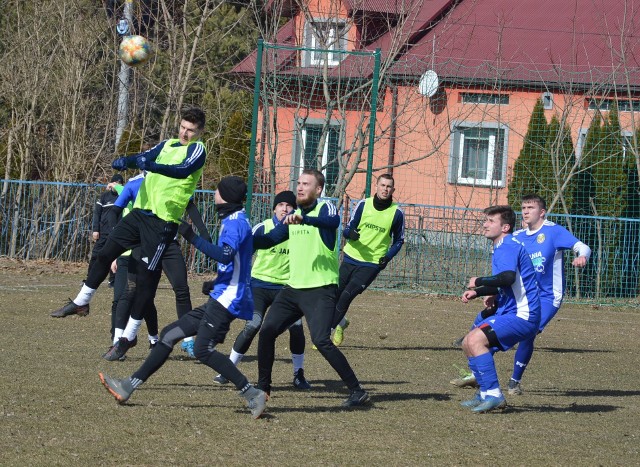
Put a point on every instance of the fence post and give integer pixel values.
(254, 126)
(372, 121)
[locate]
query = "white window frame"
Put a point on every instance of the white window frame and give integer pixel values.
(299, 150)
(547, 100)
(457, 153)
(484, 98)
(337, 40)
(627, 136)
(582, 138)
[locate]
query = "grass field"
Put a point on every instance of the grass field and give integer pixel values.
(581, 404)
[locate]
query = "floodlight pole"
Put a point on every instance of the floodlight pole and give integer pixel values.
(123, 77)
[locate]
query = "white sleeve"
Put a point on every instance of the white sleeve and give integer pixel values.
(582, 250)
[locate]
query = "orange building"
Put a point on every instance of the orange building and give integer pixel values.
(457, 84)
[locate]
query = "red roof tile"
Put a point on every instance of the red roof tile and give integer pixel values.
(379, 6)
(539, 40)
(527, 40)
(285, 36)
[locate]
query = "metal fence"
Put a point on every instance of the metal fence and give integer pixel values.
(443, 244)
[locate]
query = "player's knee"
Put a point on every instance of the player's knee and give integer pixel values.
(473, 342)
(255, 323)
(324, 347)
(269, 330)
(296, 328)
(171, 335)
(249, 332)
(344, 300)
(201, 353)
(322, 341)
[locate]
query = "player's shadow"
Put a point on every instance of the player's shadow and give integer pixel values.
(565, 350)
(374, 404)
(273, 410)
(174, 386)
(588, 392)
(572, 408)
(333, 386)
(410, 396)
(406, 348)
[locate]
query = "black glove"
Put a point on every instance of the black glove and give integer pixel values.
(143, 163)
(186, 231)
(119, 164)
(382, 262)
(354, 234)
(206, 287)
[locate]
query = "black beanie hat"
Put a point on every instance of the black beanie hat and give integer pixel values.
(232, 189)
(285, 197)
(117, 178)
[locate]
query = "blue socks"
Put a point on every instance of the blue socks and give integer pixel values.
(486, 372)
(522, 358)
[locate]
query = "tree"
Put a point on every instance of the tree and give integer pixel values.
(630, 231)
(234, 147)
(534, 158)
(560, 163)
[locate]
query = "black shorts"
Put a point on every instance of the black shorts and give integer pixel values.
(146, 231)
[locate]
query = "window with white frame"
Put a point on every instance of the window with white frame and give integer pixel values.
(324, 37)
(605, 104)
(478, 154)
(484, 98)
(582, 138)
(627, 144)
(308, 148)
(626, 140)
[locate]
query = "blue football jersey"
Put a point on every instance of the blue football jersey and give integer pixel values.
(232, 287)
(545, 247)
(522, 297)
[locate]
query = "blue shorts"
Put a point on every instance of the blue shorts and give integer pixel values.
(509, 329)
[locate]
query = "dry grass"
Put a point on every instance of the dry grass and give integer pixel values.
(581, 404)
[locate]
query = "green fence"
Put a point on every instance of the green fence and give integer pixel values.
(443, 244)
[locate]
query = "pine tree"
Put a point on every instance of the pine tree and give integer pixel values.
(234, 147)
(630, 232)
(525, 177)
(556, 165)
(610, 170)
(554, 162)
(583, 195)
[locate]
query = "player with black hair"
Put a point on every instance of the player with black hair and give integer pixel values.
(174, 168)
(311, 288)
(374, 236)
(269, 273)
(229, 298)
(102, 223)
(545, 242)
(517, 313)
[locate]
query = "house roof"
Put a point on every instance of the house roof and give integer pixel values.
(285, 36)
(378, 6)
(525, 41)
(541, 40)
(287, 8)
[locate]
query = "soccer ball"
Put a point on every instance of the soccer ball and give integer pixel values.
(135, 50)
